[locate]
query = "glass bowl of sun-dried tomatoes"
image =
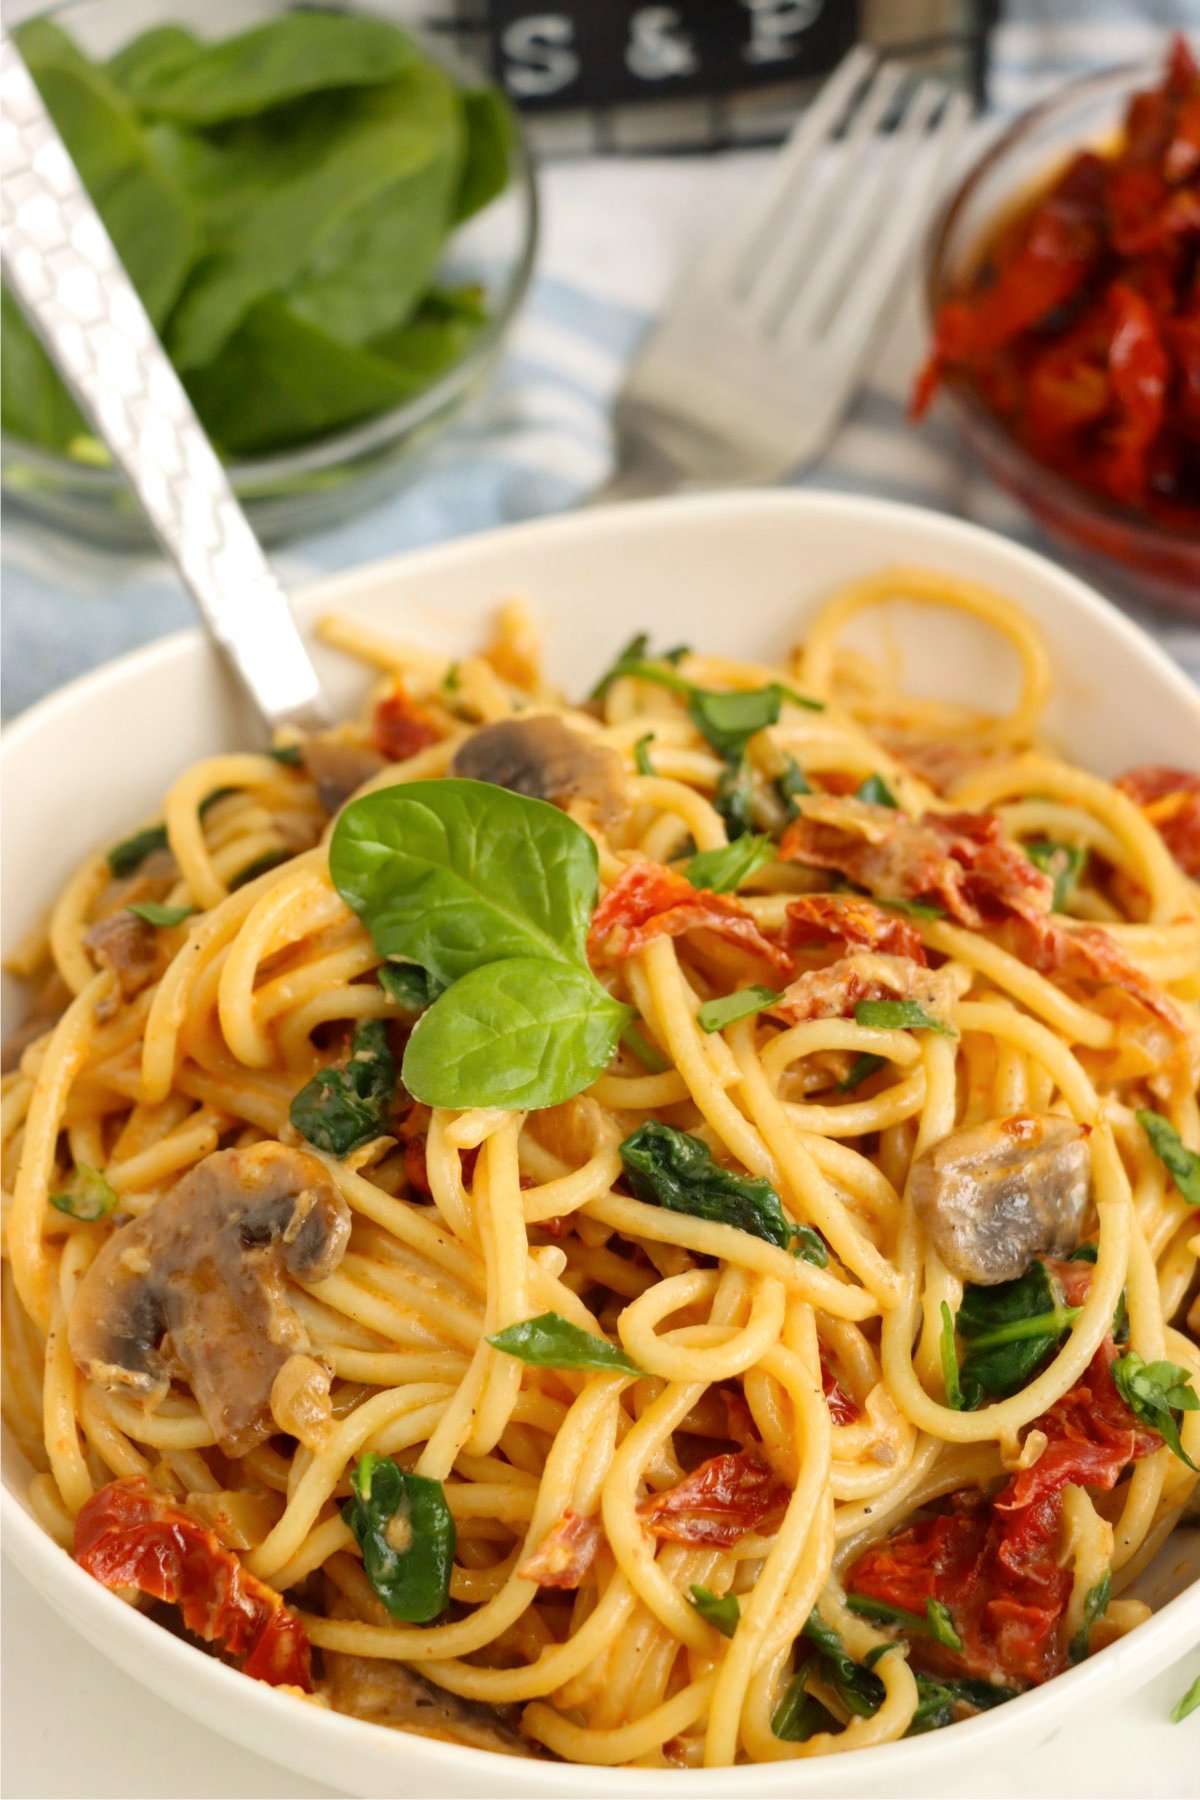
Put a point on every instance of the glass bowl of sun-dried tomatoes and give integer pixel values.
(1063, 287)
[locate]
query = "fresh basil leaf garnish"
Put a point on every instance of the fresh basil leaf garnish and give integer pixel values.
(341, 1108)
(89, 1198)
(723, 871)
(641, 754)
(723, 1611)
(899, 1015)
(405, 1530)
(949, 1356)
(1009, 1332)
(671, 1168)
(408, 986)
(876, 792)
(799, 1714)
(1182, 1164)
(714, 1015)
(857, 1688)
(552, 1342)
(1188, 1704)
(1094, 1605)
(523, 1032)
(1154, 1393)
(127, 857)
(861, 1069)
(158, 915)
(1064, 865)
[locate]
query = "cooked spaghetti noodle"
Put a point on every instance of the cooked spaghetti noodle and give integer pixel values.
(864, 1471)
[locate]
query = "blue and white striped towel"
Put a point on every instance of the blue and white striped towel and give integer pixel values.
(616, 234)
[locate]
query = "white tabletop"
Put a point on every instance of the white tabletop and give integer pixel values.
(77, 1727)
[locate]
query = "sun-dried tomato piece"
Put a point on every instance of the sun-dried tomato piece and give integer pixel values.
(842, 1409)
(847, 920)
(129, 1536)
(565, 1554)
(718, 1503)
(400, 728)
(1170, 799)
(648, 901)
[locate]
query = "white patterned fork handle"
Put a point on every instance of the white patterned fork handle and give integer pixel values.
(61, 265)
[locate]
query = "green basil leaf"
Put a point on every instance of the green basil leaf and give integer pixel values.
(899, 1015)
(641, 754)
(341, 1108)
(1182, 1164)
(408, 986)
(671, 1168)
(288, 754)
(1094, 1605)
(714, 1015)
(1154, 1393)
(127, 857)
(162, 916)
(734, 798)
(405, 1530)
(1063, 863)
(723, 1612)
(861, 1069)
(490, 141)
(1189, 1703)
(521, 1033)
(876, 792)
(89, 1198)
(457, 874)
(636, 1041)
(552, 1342)
(949, 1355)
(723, 871)
(1009, 1332)
(799, 1714)
(858, 1689)
(790, 785)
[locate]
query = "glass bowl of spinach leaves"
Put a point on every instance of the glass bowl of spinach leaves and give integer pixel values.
(332, 225)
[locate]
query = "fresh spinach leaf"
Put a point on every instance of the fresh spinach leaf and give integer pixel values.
(861, 1069)
(790, 786)
(1094, 1605)
(262, 865)
(949, 1356)
(1063, 863)
(899, 1015)
(1188, 1704)
(915, 909)
(90, 1196)
(934, 1622)
(405, 1530)
(641, 754)
(941, 1700)
(341, 1108)
(941, 1625)
(288, 754)
(636, 1041)
(146, 58)
(490, 143)
(522, 1032)
(724, 1611)
(799, 1714)
(876, 792)
(552, 1342)
(1009, 1331)
(34, 404)
(671, 1168)
(408, 986)
(734, 798)
(127, 857)
(858, 1689)
(723, 871)
(714, 1015)
(1154, 1393)
(158, 915)
(1182, 1164)
(457, 874)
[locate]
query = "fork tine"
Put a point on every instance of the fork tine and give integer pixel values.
(735, 248)
(776, 278)
(866, 198)
(854, 322)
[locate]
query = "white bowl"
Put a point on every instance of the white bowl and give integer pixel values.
(736, 574)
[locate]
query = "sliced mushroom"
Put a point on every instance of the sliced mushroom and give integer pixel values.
(997, 1195)
(390, 1693)
(198, 1284)
(546, 760)
(126, 945)
(338, 768)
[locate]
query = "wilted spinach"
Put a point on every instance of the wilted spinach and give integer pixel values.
(405, 1530)
(341, 1108)
(670, 1168)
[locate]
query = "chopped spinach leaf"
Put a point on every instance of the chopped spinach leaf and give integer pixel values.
(942, 1700)
(636, 1041)
(1182, 1164)
(714, 1015)
(161, 916)
(790, 785)
(1154, 1393)
(1064, 865)
(1009, 1331)
(734, 798)
(671, 1168)
(405, 1530)
(949, 1355)
(90, 1196)
(127, 857)
(287, 754)
(915, 909)
(861, 1069)
(1188, 1704)
(552, 1342)
(723, 871)
(723, 1611)
(876, 792)
(899, 1015)
(934, 1622)
(1095, 1602)
(799, 1714)
(857, 1688)
(641, 754)
(408, 986)
(341, 1108)
(262, 865)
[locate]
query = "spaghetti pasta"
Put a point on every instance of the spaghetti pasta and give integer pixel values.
(818, 1370)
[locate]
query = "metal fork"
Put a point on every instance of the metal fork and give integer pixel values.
(764, 345)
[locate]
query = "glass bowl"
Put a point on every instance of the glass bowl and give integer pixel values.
(1158, 563)
(322, 482)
